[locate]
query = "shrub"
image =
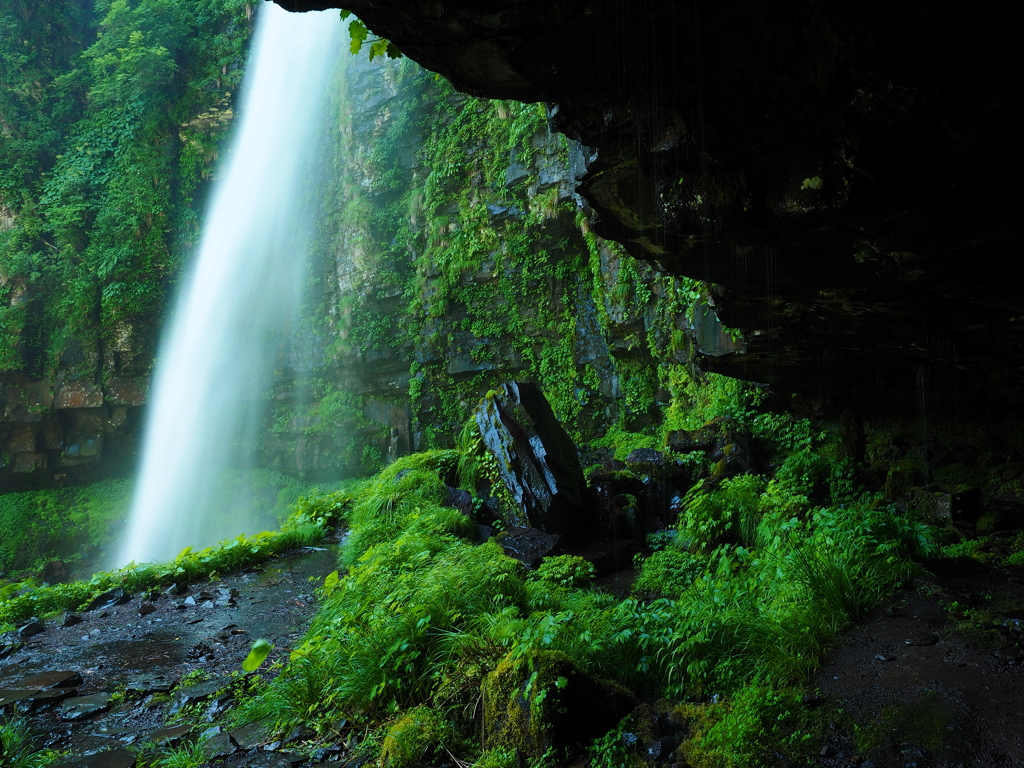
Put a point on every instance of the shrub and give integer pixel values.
(566, 571)
(727, 513)
(669, 572)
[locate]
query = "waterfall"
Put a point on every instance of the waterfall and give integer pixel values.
(238, 299)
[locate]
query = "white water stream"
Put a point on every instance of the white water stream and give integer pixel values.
(238, 299)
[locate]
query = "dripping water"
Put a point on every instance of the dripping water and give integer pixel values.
(238, 299)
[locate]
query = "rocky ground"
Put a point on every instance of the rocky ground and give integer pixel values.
(933, 681)
(114, 678)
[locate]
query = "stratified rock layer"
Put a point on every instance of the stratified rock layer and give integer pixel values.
(536, 461)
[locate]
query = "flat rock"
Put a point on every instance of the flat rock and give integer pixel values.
(528, 545)
(31, 628)
(109, 758)
(9, 696)
(70, 619)
(156, 684)
(219, 745)
(109, 599)
(44, 698)
(250, 736)
(62, 679)
(6, 649)
(85, 706)
(198, 692)
(169, 735)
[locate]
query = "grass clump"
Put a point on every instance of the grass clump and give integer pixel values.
(669, 572)
(17, 749)
(182, 756)
(749, 728)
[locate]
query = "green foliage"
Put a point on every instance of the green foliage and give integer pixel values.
(566, 571)
(16, 746)
(360, 36)
(58, 523)
(257, 655)
(768, 614)
(728, 513)
(111, 118)
(669, 572)
(613, 750)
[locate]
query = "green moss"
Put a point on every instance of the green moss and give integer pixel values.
(516, 703)
(927, 724)
(752, 727)
(414, 736)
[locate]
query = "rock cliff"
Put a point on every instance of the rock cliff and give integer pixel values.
(845, 170)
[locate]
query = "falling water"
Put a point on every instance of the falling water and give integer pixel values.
(236, 304)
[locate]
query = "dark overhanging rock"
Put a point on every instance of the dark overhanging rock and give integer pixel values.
(846, 170)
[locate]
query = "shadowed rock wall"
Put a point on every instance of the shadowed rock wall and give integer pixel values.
(845, 170)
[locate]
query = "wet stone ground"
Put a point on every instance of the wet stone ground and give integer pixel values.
(94, 683)
(936, 680)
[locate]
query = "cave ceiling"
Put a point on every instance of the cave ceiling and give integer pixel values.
(846, 173)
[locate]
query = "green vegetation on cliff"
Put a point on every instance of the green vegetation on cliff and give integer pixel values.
(460, 257)
(112, 114)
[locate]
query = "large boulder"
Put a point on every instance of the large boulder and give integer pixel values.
(538, 479)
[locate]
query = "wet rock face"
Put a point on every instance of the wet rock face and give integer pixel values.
(537, 463)
(845, 169)
(60, 431)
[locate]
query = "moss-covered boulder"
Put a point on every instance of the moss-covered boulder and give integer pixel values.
(541, 701)
(413, 736)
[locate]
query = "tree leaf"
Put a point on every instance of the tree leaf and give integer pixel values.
(378, 48)
(257, 655)
(358, 32)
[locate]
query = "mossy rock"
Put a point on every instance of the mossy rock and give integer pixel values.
(412, 737)
(542, 701)
(990, 522)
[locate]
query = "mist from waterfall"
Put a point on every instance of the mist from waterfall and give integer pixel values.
(239, 298)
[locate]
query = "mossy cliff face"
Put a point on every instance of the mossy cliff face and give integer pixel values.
(844, 170)
(455, 256)
(112, 115)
